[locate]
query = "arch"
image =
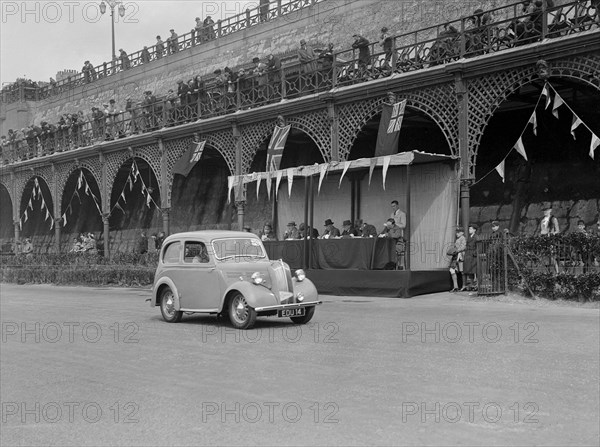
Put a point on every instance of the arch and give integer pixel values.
(68, 171)
(6, 213)
(150, 154)
(32, 225)
(82, 214)
(439, 103)
(312, 124)
(487, 93)
(4, 184)
(23, 177)
(222, 142)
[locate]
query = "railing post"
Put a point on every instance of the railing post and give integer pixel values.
(278, 8)
(248, 20)
(283, 89)
(544, 21)
(334, 70)
(219, 28)
(394, 56)
(463, 42)
(238, 95)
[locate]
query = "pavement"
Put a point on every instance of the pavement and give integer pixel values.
(98, 366)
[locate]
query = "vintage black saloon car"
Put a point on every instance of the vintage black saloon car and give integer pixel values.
(228, 273)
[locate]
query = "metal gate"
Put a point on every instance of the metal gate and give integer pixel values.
(492, 259)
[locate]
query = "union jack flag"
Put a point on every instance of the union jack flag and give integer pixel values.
(275, 148)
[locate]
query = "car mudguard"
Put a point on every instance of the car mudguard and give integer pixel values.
(256, 295)
(165, 280)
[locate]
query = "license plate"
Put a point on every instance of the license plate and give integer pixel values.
(292, 312)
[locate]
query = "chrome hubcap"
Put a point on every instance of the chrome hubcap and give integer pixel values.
(169, 305)
(239, 307)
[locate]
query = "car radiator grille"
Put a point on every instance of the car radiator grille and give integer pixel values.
(283, 276)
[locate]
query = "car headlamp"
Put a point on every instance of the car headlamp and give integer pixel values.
(300, 275)
(258, 278)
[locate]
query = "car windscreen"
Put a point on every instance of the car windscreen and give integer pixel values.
(237, 247)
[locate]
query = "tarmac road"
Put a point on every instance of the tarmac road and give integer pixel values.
(98, 366)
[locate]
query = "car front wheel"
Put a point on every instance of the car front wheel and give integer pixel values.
(242, 316)
(310, 311)
(167, 307)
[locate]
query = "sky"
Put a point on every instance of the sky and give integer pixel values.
(40, 38)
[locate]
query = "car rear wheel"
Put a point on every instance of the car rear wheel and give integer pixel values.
(242, 316)
(167, 307)
(310, 311)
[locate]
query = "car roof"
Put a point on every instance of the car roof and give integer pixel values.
(210, 235)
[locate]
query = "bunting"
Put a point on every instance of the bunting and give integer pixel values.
(546, 93)
(64, 218)
(268, 180)
(386, 164)
(520, 148)
(500, 169)
(229, 188)
(557, 103)
(346, 166)
(533, 121)
(373, 163)
(290, 179)
(26, 216)
(321, 176)
(277, 181)
(594, 144)
(258, 180)
(575, 125)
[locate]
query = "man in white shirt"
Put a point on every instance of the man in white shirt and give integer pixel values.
(399, 216)
(549, 223)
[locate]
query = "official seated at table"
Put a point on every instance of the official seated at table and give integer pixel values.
(313, 232)
(365, 229)
(267, 233)
(330, 230)
(348, 229)
(391, 230)
(292, 232)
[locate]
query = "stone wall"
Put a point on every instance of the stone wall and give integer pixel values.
(330, 21)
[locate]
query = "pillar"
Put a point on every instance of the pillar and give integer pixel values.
(166, 220)
(106, 234)
(466, 177)
(17, 224)
(240, 191)
(334, 129)
(57, 233)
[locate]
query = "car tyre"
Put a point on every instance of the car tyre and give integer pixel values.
(241, 315)
(167, 306)
(310, 311)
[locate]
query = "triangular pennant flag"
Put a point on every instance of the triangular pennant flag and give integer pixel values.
(134, 170)
(26, 216)
(533, 120)
(87, 189)
(148, 200)
(123, 196)
(323, 169)
(80, 180)
(258, 180)
(30, 205)
(546, 93)
(277, 181)
(43, 203)
(36, 182)
(346, 166)
(557, 103)
(119, 207)
(595, 143)
(51, 223)
(575, 125)
(64, 218)
(386, 164)
(290, 179)
(500, 169)
(520, 148)
(34, 192)
(77, 194)
(372, 164)
(229, 188)
(21, 225)
(47, 214)
(268, 179)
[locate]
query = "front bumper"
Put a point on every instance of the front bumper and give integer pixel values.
(288, 306)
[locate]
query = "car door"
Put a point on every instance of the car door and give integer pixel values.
(200, 287)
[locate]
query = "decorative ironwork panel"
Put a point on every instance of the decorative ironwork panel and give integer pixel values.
(6, 182)
(438, 102)
(488, 92)
(316, 126)
(224, 142)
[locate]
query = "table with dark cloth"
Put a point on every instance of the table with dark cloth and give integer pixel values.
(346, 253)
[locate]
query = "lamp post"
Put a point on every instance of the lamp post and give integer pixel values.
(112, 4)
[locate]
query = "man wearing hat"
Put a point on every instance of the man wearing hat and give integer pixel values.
(549, 224)
(348, 229)
(307, 58)
(330, 230)
(496, 234)
(159, 48)
(291, 232)
(172, 44)
(313, 232)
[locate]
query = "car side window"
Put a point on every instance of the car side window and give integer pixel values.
(172, 252)
(195, 253)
